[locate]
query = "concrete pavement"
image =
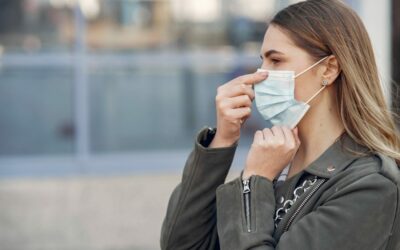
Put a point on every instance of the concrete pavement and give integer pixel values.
(85, 213)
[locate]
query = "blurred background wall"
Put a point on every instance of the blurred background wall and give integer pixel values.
(100, 101)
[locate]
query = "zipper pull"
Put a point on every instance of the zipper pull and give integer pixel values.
(246, 197)
(246, 186)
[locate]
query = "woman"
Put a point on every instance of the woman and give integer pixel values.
(331, 182)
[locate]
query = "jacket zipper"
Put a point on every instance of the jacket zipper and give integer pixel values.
(246, 197)
(302, 204)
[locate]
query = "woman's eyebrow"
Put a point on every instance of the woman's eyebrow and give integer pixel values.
(270, 52)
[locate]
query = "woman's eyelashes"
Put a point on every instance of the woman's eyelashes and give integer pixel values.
(271, 62)
(275, 61)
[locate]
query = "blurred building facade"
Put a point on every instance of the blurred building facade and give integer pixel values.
(90, 86)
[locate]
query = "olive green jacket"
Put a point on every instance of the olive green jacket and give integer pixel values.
(353, 205)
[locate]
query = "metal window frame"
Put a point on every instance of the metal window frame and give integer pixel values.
(83, 161)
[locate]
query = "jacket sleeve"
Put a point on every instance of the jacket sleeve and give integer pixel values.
(190, 221)
(357, 216)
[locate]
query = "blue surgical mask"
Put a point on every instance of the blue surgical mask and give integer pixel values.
(275, 100)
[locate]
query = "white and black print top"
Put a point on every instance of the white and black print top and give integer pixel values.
(285, 203)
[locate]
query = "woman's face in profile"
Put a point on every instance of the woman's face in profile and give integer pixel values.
(279, 52)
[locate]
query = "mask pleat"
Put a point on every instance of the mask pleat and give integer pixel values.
(270, 110)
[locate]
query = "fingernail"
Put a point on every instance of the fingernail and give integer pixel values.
(263, 73)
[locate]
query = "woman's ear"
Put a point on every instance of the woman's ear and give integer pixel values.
(332, 69)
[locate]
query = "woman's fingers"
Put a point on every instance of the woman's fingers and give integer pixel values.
(253, 78)
(278, 134)
(242, 89)
(247, 80)
(271, 151)
(235, 97)
(239, 101)
(236, 90)
(289, 137)
(296, 136)
(230, 90)
(281, 136)
(258, 137)
(268, 135)
(233, 106)
(238, 113)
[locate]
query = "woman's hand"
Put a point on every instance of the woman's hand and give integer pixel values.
(271, 151)
(233, 106)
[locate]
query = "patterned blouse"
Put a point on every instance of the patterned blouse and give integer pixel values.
(285, 204)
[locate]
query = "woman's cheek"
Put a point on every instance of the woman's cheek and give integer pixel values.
(302, 90)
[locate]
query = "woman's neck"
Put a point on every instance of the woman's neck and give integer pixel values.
(318, 130)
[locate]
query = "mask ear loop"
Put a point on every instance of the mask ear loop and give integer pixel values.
(324, 83)
(312, 66)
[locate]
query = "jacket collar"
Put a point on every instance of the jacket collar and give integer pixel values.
(335, 158)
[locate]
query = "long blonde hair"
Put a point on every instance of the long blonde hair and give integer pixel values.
(325, 27)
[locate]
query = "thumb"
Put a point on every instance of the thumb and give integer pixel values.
(296, 135)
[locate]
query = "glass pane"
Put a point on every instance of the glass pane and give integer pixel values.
(35, 26)
(134, 108)
(139, 108)
(36, 111)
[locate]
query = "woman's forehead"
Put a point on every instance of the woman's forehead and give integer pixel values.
(276, 39)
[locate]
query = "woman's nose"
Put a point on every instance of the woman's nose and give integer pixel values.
(267, 66)
(264, 66)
